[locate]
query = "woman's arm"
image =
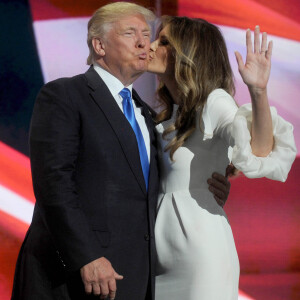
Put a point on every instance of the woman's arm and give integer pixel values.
(255, 74)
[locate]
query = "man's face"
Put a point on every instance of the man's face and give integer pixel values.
(126, 48)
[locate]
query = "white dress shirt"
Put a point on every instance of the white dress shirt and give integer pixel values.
(115, 86)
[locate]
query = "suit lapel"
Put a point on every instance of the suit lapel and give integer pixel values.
(124, 132)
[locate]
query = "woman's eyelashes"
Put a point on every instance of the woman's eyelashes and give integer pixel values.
(163, 41)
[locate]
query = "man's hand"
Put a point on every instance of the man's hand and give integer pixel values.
(220, 187)
(99, 278)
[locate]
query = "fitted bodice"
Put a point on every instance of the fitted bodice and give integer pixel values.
(194, 162)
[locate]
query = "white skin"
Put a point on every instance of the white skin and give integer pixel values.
(255, 74)
(124, 52)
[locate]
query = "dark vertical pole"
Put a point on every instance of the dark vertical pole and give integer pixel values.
(20, 73)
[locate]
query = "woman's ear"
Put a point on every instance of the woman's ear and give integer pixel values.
(98, 46)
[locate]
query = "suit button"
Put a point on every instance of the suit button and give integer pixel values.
(146, 237)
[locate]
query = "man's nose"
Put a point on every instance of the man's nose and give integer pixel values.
(141, 41)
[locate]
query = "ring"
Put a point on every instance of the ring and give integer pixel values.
(265, 51)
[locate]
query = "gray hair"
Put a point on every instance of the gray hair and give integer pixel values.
(105, 16)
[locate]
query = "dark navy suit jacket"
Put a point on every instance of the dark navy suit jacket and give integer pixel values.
(91, 199)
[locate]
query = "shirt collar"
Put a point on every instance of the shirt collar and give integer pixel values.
(114, 85)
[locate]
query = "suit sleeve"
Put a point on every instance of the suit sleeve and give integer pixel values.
(54, 147)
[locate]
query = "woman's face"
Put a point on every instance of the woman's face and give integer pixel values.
(161, 60)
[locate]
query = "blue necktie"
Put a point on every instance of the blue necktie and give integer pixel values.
(129, 114)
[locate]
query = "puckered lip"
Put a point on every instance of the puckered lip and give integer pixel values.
(151, 56)
(143, 55)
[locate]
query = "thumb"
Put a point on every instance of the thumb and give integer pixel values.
(239, 60)
(117, 276)
(230, 171)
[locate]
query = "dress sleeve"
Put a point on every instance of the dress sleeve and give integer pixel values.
(218, 115)
(222, 117)
(278, 163)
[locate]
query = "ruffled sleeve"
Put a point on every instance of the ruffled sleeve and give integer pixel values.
(221, 117)
(278, 163)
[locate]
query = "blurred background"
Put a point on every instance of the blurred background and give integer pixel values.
(41, 40)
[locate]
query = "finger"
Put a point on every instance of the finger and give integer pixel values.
(221, 178)
(256, 40)
(216, 192)
(104, 289)
(249, 41)
(112, 289)
(264, 42)
(239, 60)
(229, 171)
(118, 276)
(88, 288)
(96, 289)
(270, 49)
(218, 185)
(219, 201)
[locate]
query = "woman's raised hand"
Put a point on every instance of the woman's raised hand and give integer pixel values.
(256, 71)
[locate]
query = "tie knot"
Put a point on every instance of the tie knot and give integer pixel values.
(125, 93)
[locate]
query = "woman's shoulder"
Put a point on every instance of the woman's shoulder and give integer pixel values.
(219, 102)
(219, 95)
(218, 91)
(220, 106)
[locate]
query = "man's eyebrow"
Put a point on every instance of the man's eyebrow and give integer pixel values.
(135, 29)
(129, 28)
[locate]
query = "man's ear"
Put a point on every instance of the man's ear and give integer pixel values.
(98, 46)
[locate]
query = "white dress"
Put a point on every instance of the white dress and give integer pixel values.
(196, 254)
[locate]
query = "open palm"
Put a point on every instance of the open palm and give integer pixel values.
(256, 71)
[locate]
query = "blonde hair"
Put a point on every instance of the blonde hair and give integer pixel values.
(105, 16)
(201, 66)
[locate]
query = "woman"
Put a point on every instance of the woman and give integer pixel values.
(197, 257)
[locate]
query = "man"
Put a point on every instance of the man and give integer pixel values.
(94, 173)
